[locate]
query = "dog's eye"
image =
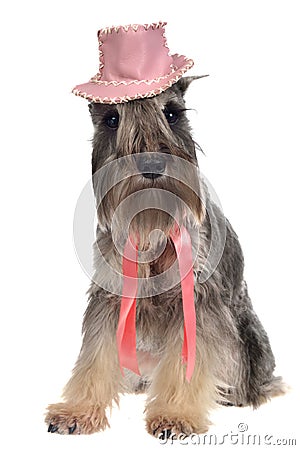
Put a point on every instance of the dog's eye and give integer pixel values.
(112, 120)
(171, 116)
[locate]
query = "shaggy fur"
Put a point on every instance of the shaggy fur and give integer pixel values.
(234, 361)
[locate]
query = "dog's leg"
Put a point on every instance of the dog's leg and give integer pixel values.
(176, 407)
(255, 383)
(96, 379)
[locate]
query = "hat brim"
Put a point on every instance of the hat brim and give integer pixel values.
(114, 92)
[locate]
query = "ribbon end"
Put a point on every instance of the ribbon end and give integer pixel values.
(189, 370)
(130, 366)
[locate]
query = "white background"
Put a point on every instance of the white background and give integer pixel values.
(247, 122)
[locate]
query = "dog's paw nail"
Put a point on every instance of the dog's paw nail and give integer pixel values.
(72, 429)
(164, 434)
(168, 433)
(52, 428)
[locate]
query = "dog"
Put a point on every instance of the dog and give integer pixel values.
(146, 137)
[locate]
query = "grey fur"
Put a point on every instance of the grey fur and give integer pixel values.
(234, 360)
(226, 321)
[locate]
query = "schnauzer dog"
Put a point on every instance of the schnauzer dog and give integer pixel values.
(147, 185)
(234, 361)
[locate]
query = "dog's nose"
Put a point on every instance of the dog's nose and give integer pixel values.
(151, 165)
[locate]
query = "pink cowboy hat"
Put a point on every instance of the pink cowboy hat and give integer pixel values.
(135, 62)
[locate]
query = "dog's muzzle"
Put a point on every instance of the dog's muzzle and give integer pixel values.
(151, 165)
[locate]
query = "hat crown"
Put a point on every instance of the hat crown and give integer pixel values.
(135, 62)
(135, 53)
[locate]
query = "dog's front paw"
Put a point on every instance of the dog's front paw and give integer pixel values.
(172, 428)
(63, 418)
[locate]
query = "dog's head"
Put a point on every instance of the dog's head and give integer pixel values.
(144, 163)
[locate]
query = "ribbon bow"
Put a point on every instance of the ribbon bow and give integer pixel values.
(126, 332)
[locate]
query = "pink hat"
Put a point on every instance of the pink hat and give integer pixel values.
(135, 62)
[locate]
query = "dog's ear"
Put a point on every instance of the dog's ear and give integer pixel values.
(93, 115)
(90, 105)
(184, 82)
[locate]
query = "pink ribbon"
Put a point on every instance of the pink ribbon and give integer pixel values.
(183, 247)
(126, 332)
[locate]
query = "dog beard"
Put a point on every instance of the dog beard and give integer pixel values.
(148, 210)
